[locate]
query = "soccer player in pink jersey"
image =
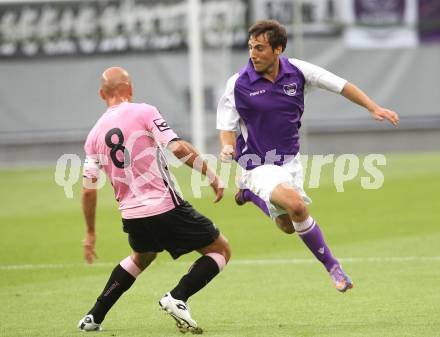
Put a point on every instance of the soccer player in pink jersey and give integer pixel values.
(126, 143)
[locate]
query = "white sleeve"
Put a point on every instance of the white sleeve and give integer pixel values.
(91, 167)
(91, 164)
(227, 115)
(319, 77)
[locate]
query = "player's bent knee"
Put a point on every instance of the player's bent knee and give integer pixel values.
(143, 260)
(219, 246)
(225, 248)
(297, 208)
(227, 252)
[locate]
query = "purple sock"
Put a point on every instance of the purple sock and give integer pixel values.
(314, 240)
(250, 196)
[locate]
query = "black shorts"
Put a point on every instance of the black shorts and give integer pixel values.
(178, 231)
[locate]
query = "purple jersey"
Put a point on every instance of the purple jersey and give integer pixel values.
(268, 115)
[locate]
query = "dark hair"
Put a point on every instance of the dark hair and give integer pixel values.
(276, 33)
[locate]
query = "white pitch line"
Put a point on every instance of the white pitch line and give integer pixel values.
(236, 262)
(54, 266)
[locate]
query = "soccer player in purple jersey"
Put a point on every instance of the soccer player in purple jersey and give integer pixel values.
(126, 143)
(259, 116)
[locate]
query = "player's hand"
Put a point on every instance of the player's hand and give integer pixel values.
(89, 247)
(227, 154)
(218, 188)
(380, 114)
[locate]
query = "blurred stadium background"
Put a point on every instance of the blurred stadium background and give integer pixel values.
(52, 54)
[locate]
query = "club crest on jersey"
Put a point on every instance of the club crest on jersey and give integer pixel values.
(290, 89)
(161, 124)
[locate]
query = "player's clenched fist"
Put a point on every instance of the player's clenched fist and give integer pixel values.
(89, 248)
(227, 154)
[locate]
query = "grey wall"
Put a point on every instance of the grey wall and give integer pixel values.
(48, 105)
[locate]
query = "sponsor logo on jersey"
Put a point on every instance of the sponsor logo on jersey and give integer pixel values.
(290, 89)
(161, 124)
(258, 92)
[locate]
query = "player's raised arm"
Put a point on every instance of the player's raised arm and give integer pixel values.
(190, 156)
(321, 78)
(356, 95)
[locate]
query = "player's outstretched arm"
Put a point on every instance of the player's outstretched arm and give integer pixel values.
(89, 200)
(190, 156)
(356, 95)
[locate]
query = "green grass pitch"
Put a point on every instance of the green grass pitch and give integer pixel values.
(388, 241)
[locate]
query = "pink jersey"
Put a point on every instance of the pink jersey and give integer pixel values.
(126, 143)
